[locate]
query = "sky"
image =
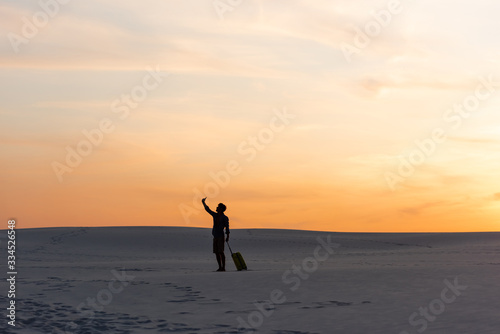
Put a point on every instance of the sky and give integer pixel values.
(350, 116)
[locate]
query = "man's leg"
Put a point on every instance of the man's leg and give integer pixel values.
(216, 252)
(223, 260)
(219, 260)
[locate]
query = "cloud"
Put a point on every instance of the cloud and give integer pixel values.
(419, 209)
(377, 83)
(482, 141)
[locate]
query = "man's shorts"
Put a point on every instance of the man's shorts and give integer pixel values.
(219, 245)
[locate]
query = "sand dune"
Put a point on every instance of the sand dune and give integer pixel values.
(162, 279)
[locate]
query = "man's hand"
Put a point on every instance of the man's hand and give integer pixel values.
(227, 239)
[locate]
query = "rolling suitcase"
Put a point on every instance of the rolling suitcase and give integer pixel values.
(238, 260)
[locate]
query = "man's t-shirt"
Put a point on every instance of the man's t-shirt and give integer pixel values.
(220, 222)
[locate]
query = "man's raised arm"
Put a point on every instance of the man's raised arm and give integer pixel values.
(206, 207)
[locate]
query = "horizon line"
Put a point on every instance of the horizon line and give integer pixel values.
(258, 228)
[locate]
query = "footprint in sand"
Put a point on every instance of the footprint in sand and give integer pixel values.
(326, 304)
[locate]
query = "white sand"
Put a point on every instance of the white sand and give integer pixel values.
(371, 283)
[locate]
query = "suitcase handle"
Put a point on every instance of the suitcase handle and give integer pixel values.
(229, 247)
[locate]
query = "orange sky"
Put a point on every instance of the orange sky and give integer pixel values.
(126, 113)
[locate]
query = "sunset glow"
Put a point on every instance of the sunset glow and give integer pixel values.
(361, 116)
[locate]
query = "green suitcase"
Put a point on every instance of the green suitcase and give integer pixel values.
(238, 259)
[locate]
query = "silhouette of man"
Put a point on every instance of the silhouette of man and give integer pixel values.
(220, 222)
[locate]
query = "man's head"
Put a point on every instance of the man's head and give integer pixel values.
(221, 208)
